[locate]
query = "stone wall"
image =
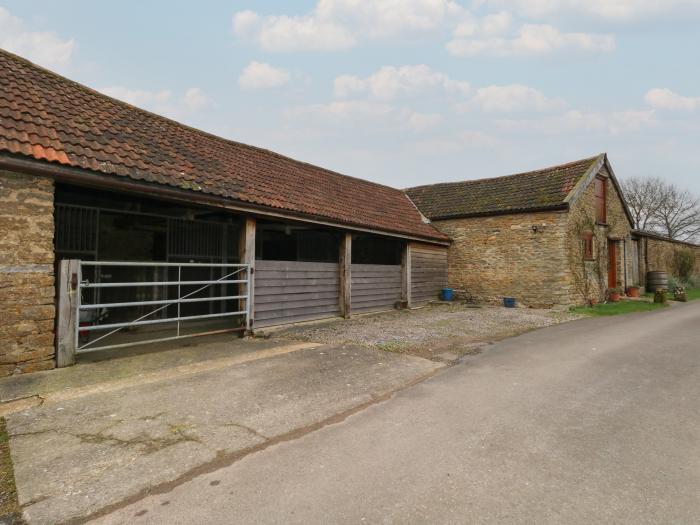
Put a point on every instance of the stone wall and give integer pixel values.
(657, 254)
(26, 273)
(504, 256)
(590, 277)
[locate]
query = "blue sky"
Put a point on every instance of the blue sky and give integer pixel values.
(402, 92)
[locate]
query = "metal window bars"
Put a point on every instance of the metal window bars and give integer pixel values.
(238, 274)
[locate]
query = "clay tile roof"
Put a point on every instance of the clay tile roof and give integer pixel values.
(534, 190)
(49, 118)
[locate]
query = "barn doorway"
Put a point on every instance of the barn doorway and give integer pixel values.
(160, 242)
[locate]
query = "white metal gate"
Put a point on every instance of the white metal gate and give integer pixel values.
(91, 309)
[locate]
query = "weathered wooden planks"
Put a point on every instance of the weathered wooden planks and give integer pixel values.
(428, 272)
(291, 291)
(375, 287)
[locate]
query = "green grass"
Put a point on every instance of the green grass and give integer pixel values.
(623, 307)
(693, 294)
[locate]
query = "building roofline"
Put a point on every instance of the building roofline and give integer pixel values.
(219, 138)
(662, 237)
(514, 211)
(99, 180)
(500, 177)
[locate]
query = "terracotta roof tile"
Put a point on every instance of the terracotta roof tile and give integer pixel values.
(533, 190)
(51, 118)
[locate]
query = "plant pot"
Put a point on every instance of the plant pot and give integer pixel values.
(633, 291)
(614, 297)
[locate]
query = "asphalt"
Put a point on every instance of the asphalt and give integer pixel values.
(595, 421)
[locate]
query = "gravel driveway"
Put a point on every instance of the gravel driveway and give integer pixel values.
(435, 331)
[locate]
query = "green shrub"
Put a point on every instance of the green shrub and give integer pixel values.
(683, 264)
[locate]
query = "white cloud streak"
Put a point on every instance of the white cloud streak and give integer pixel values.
(259, 75)
(162, 102)
(341, 24)
(530, 40)
(390, 82)
(612, 10)
(663, 98)
(512, 98)
(43, 47)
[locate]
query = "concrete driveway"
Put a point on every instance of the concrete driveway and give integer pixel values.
(107, 433)
(595, 421)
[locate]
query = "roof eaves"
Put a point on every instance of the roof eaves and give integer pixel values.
(512, 211)
(76, 175)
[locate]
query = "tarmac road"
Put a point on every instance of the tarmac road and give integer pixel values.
(594, 421)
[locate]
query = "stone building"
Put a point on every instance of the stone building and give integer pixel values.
(556, 236)
(119, 225)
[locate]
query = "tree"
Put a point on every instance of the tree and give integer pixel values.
(643, 196)
(659, 206)
(678, 217)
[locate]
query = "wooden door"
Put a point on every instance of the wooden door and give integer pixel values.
(612, 264)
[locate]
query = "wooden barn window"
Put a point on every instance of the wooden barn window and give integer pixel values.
(588, 246)
(600, 197)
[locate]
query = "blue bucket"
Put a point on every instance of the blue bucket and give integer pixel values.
(509, 302)
(447, 294)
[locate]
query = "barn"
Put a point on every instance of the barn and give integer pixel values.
(119, 226)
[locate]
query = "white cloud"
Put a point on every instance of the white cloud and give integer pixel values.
(195, 99)
(341, 24)
(576, 122)
(355, 112)
(615, 10)
(390, 82)
(511, 98)
(423, 121)
(138, 97)
(42, 47)
(162, 102)
(464, 140)
(666, 99)
(259, 75)
(531, 40)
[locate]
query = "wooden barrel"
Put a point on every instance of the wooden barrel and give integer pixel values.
(657, 281)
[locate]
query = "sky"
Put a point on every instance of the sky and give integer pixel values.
(401, 92)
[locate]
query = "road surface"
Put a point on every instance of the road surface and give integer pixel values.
(595, 421)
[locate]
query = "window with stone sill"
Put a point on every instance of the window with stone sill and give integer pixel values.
(588, 246)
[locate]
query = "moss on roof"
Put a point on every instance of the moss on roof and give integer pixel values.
(533, 190)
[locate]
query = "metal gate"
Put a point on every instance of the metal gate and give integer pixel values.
(228, 285)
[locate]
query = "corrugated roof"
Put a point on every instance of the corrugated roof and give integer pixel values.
(49, 118)
(533, 190)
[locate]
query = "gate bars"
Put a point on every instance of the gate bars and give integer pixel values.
(235, 274)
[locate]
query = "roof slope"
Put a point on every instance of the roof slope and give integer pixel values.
(50, 118)
(534, 190)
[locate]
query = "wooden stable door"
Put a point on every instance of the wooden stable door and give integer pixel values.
(612, 264)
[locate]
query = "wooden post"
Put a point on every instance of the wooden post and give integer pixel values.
(345, 262)
(406, 275)
(66, 327)
(246, 255)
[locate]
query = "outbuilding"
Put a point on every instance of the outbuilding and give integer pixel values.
(118, 225)
(555, 236)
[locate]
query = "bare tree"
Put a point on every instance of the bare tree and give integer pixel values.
(659, 206)
(678, 217)
(644, 196)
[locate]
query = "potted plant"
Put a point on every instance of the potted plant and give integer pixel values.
(614, 295)
(633, 291)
